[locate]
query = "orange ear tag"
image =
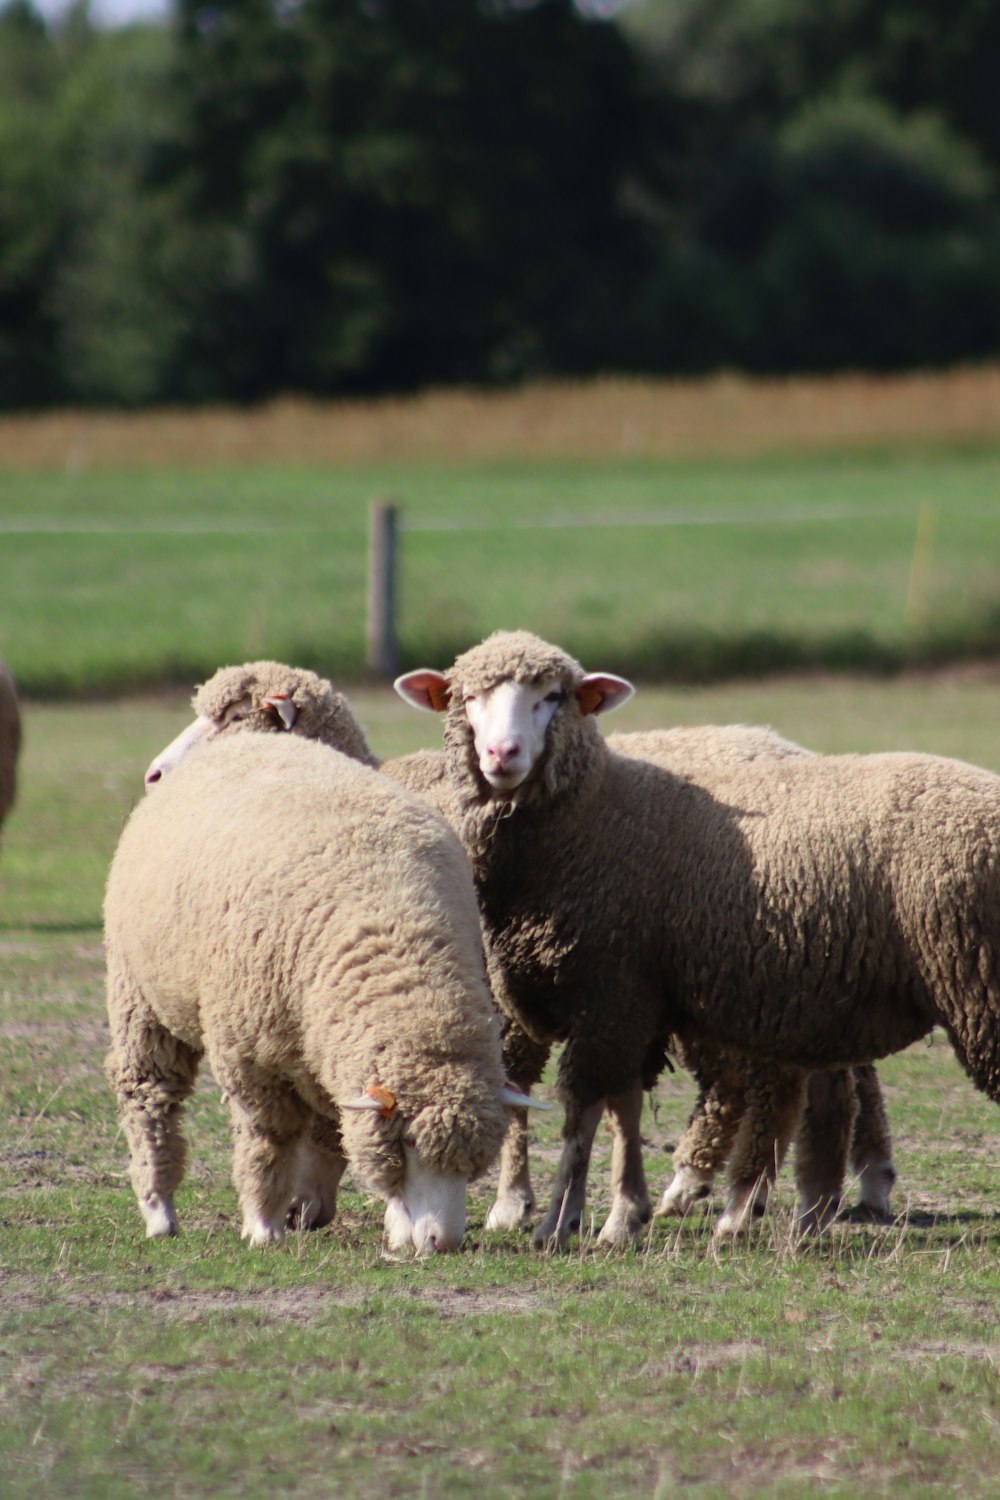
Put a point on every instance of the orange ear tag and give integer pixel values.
(384, 1098)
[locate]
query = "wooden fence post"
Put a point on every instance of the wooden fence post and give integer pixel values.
(383, 650)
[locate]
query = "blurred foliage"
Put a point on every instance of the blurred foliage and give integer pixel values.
(373, 195)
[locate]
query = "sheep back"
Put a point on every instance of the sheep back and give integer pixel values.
(426, 773)
(282, 905)
(842, 883)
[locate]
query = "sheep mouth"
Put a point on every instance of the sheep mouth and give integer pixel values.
(504, 781)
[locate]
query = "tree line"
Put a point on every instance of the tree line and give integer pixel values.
(362, 196)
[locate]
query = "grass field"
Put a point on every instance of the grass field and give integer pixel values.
(702, 534)
(864, 1364)
(679, 532)
(126, 581)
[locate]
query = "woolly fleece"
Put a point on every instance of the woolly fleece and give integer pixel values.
(313, 930)
(821, 911)
(323, 713)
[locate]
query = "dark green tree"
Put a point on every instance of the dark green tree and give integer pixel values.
(400, 191)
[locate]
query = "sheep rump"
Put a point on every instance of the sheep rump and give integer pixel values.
(312, 930)
(748, 1111)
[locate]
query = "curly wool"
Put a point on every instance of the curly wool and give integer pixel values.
(323, 713)
(314, 930)
(10, 741)
(821, 911)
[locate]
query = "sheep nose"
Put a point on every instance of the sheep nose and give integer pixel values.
(504, 754)
(152, 777)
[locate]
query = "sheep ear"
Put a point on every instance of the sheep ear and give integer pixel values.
(281, 705)
(601, 693)
(517, 1100)
(424, 689)
(374, 1098)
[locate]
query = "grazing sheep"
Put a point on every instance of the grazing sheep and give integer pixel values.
(816, 912)
(313, 930)
(751, 1107)
(10, 741)
(843, 1118)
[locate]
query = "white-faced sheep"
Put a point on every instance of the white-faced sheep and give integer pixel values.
(10, 741)
(313, 930)
(750, 1104)
(816, 912)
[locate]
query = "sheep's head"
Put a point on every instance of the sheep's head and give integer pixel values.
(504, 697)
(266, 697)
(422, 1164)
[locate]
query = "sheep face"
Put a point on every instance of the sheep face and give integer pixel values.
(428, 1214)
(509, 724)
(422, 1164)
(510, 719)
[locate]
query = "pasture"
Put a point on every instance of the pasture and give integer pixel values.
(684, 537)
(864, 1363)
(693, 533)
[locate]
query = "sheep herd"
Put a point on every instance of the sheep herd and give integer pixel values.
(378, 958)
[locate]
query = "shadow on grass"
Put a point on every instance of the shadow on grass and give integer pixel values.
(57, 928)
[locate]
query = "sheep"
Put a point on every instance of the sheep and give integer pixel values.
(271, 697)
(267, 697)
(754, 1107)
(843, 1116)
(10, 741)
(313, 930)
(814, 912)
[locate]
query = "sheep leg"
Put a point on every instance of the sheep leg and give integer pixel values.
(321, 1164)
(822, 1146)
(565, 1213)
(871, 1144)
(774, 1099)
(631, 1206)
(707, 1139)
(152, 1073)
(524, 1063)
(515, 1199)
(267, 1137)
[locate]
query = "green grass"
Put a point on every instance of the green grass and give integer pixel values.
(115, 582)
(865, 1363)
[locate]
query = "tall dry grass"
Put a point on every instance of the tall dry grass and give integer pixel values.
(613, 418)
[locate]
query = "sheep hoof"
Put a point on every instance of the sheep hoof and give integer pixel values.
(816, 1219)
(159, 1217)
(626, 1222)
(511, 1212)
(733, 1226)
(555, 1237)
(259, 1233)
(307, 1213)
(687, 1188)
(877, 1182)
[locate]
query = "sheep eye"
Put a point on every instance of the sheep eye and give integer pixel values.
(556, 696)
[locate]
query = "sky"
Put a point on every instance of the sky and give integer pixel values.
(119, 12)
(108, 12)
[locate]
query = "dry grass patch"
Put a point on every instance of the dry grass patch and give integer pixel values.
(616, 418)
